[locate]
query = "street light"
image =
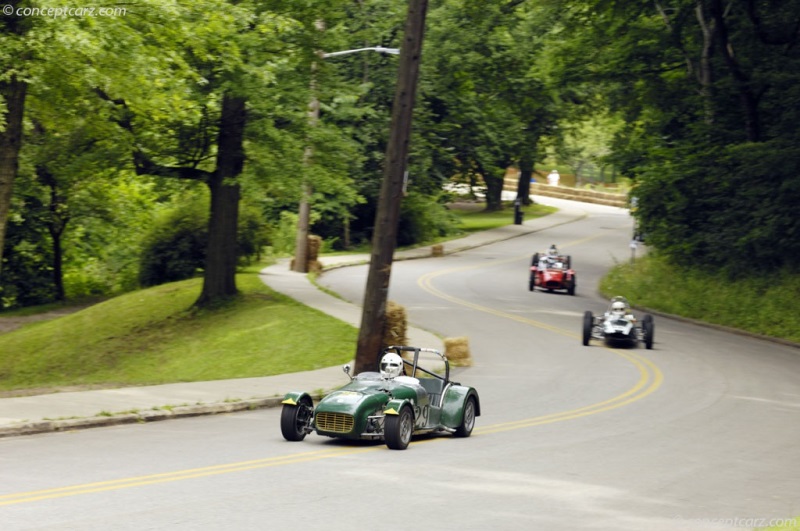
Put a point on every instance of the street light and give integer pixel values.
(304, 210)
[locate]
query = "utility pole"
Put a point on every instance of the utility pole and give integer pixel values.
(304, 211)
(384, 239)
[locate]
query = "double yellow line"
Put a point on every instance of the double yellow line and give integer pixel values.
(166, 477)
(650, 376)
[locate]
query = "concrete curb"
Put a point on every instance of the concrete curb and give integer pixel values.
(154, 415)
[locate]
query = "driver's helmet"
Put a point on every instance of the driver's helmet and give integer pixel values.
(618, 308)
(552, 251)
(391, 365)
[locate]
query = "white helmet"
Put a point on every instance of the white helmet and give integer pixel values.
(618, 307)
(552, 251)
(391, 365)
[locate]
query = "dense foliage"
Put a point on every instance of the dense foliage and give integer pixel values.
(106, 121)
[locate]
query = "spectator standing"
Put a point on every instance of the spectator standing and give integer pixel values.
(553, 178)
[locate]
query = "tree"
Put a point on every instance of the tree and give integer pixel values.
(18, 50)
(214, 58)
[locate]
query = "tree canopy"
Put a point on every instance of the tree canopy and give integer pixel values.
(108, 121)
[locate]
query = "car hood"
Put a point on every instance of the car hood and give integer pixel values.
(364, 397)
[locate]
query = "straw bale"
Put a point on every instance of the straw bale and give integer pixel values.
(394, 332)
(437, 250)
(457, 351)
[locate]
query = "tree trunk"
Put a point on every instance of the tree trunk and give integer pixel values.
(494, 192)
(747, 97)
(219, 279)
(525, 176)
(13, 92)
(56, 225)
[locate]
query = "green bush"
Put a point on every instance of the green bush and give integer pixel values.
(423, 219)
(175, 247)
(762, 304)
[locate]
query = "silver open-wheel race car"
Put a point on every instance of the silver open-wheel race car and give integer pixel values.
(617, 326)
(401, 400)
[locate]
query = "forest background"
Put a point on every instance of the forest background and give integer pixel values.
(162, 140)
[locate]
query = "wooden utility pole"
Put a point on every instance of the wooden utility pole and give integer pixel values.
(384, 239)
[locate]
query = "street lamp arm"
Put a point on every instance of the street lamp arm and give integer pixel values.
(379, 49)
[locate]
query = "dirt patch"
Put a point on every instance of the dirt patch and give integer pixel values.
(8, 324)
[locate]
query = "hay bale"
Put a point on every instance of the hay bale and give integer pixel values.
(314, 245)
(457, 351)
(394, 331)
(437, 250)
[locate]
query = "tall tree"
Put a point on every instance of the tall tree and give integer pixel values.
(17, 52)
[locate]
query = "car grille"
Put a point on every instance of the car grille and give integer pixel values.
(334, 422)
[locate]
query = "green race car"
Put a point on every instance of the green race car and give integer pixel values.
(401, 400)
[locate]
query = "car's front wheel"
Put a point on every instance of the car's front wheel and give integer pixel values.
(468, 422)
(649, 329)
(295, 419)
(398, 429)
(588, 324)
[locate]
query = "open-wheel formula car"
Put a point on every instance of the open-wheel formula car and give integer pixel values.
(552, 272)
(618, 326)
(401, 400)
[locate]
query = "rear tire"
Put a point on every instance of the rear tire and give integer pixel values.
(535, 260)
(588, 324)
(468, 421)
(295, 419)
(398, 429)
(568, 262)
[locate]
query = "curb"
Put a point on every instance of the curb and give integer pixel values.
(154, 415)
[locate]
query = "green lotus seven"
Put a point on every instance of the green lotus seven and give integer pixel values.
(401, 400)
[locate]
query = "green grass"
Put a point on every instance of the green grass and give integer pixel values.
(474, 221)
(789, 524)
(764, 305)
(153, 336)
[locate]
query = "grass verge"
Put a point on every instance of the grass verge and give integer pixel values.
(764, 304)
(153, 336)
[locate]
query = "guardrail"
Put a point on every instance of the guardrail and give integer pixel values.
(573, 194)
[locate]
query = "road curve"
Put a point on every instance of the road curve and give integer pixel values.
(699, 433)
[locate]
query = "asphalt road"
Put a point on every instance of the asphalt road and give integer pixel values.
(699, 433)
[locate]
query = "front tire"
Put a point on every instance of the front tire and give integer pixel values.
(398, 429)
(588, 324)
(468, 421)
(295, 419)
(649, 329)
(571, 289)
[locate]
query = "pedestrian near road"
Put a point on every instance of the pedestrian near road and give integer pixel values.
(553, 178)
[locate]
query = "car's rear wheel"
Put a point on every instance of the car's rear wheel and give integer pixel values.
(468, 422)
(398, 428)
(295, 419)
(649, 329)
(568, 262)
(535, 260)
(588, 323)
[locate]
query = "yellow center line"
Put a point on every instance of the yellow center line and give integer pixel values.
(650, 376)
(103, 486)
(650, 379)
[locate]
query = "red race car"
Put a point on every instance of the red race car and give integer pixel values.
(551, 272)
